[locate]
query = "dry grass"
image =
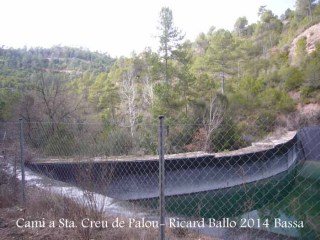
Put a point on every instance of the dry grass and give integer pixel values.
(47, 206)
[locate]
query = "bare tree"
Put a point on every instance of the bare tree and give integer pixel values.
(52, 91)
(128, 92)
(148, 94)
(213, 117)
(48, 98)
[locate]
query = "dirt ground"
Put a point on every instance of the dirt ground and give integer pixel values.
(43, 206)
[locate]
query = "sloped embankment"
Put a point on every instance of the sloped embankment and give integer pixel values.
(312, 35)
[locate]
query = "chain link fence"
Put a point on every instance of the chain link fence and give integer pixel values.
(226, 181)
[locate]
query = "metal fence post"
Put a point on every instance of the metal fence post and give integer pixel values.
(22, 162)
(161, 178)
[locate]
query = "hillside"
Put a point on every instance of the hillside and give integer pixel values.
(74, 61)
(312, 37)
(222, 83)
(22, 70)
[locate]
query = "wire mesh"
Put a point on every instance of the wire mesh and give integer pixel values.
(226, 181)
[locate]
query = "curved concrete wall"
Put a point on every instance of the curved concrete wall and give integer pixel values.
(134, 180)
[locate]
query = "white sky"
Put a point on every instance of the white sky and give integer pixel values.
(117, 26)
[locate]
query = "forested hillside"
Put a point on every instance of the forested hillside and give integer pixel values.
(255, 75)
(41, 80)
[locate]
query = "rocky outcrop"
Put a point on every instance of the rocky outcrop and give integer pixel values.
(312, 36)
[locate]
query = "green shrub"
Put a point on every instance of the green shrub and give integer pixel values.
(117, 141)
(148, 141)
(265, 121)
(227, 137)
(285, 103)
(312, 73)
(292, 78)
(277, 100)
(61, 143)
(179, 136)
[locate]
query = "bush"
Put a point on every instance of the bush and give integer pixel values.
(227, 137)
(277, 100)
(117, 141)
(292, 77)
(300, 51)
(61, 143)
(312, 73)
(306, 94)
(180, 136)
(148, 141)
(265, 121)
